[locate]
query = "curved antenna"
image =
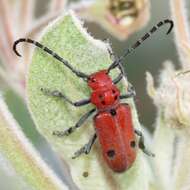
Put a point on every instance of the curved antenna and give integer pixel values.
(50, 52)
(141, 40)
(182, 73)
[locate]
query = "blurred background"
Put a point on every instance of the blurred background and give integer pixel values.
(149, 57)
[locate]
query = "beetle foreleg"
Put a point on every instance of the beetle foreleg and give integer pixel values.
(77, 125)
(115, 60)
(130, 93)
(113, 56)
(142, 145)
(56, 93)
(118, 78)
(86, 148)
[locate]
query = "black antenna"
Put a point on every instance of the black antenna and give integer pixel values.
(140, 41)
(50, 52)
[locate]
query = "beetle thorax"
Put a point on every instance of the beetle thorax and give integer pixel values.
(99, 80)
(105, 94)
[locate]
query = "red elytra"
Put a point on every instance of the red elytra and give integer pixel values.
(117, 138)
(113, 121)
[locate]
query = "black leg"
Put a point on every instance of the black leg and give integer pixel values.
(77, 125)
(118, 78)
(141, 143)
(56, 93)
(131, 93)
(86, 148)
(114, 58)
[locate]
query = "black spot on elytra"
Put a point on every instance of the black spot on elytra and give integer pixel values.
(113, 112)
(103, 102)
(113, 91)
(133, 144)
(101, 97)
(111, 153)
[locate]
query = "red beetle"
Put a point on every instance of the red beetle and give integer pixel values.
(113, 121)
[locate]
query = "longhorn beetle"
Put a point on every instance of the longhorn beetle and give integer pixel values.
(113, 119)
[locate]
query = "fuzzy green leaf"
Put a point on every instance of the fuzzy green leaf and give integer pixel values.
(67, 38)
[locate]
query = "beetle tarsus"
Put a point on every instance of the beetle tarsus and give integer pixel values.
(86, 148)
(56, 93)
(80, 122)
(63, 133)
(131, 93)
(142, 145)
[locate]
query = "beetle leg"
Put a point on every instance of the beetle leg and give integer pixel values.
(113, 57)
(131, 93)
(77, 125)
(142, 145)
(121, 74)
(56, 93)
(86, 148)
(118, 78)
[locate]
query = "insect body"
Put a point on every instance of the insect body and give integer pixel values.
(113, 119)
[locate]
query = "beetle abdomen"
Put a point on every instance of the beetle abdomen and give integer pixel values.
(115, 132)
